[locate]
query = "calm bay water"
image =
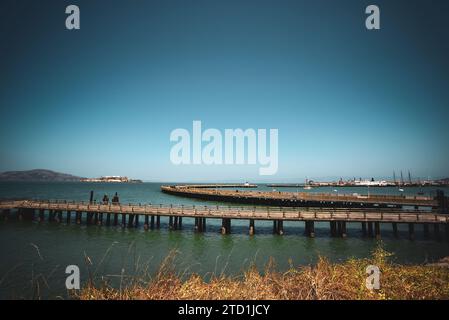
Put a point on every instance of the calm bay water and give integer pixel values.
(42, 251)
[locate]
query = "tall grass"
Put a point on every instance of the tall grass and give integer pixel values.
(324, 280)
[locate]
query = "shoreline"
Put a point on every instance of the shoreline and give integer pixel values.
(323, 280)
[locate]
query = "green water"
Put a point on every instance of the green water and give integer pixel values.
(32, 252)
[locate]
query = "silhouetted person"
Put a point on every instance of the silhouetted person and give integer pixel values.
(115, 199)
(105, 199)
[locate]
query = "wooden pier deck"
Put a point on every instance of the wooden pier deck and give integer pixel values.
(337, 217)
(296, 199)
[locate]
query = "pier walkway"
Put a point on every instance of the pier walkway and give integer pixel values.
(370, 218)
(304, 199)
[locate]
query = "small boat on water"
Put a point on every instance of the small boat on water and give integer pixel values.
(307, 187)
(401, 190)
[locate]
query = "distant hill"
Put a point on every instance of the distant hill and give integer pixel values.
(37, 175)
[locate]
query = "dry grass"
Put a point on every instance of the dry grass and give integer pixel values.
(325, 280)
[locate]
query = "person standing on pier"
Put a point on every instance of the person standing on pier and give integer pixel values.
(115, 199)
(105, 199)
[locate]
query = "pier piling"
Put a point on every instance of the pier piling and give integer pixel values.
(41, 215)
(310, 229)
(130, 220)
(226, 226)
(333, 228)
(343, 229)
(280, 227)
(395, 229)
(370, 229)
(146, 224)
(364, 229)
(411, 231)
(377, 230)
(252, 230)
(175, 223)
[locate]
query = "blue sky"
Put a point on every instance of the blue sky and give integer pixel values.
(103, 100)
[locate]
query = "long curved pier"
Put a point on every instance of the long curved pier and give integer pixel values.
(304, 199)
(110, 214)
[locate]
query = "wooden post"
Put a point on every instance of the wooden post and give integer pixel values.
(79, 216)
(333, 228)
(310, 229)
(41, 215)
(28, 214)
(108, 219)
(370, 229)
(197, 226)
(251, 227)
(180, 223)
(130, 220)
(88, 218)
(136, 218)
(411, 230)
(170, 223)
(203, 225)
(175, 223)
(275, 227)
(115, 219)
(377, 229)
(280, 227)
(123, 220)
(226, 226)
(69, 213)
(223, 226)
(364, 229)
(146, 224)
(96, 218)
(152, 222)
(339, 228)
(100, 219)
(343, 229)
(395, 229)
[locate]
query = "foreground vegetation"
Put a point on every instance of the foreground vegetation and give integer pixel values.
(325, 280)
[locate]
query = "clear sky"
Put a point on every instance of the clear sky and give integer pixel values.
(103, 100)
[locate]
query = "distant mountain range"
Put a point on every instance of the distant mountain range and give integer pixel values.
(37, 175)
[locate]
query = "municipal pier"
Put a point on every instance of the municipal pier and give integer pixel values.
(372, 213)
